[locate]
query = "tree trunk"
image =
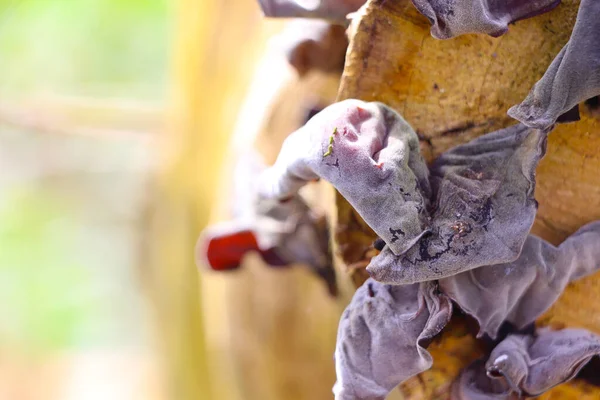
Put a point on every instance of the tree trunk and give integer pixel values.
(452, 91)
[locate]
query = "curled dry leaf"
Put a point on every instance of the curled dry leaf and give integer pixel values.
(450, 18)
(520, 291)
(333, 10)
(371, 156)
(382, 337)
(282, 232)
(482, 213)
(573, 76)
(531, 365)
(314, 45)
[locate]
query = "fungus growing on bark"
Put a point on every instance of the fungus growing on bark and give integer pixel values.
(283, 232)
(479, 195)
(482, 209)
(382, 337)
(526, 365)
(474, 384)
(450, 18)
(522, 290)
(333, 10)
(573, 76)
(532, 365)
(371, 156)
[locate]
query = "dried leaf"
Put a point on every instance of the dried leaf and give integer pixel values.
(573, 76)
(520, 291)
(382, 337)
(450, 18)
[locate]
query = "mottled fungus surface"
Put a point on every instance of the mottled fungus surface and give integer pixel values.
(520, 291)
(483, 208)
(436, 222)
(527, 365)
(382, 337)
(464, 221)
(531, 365)
(371, 156)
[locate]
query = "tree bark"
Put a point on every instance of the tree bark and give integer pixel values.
(452, 91)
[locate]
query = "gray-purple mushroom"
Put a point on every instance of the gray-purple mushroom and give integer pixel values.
(531, 365)
(450, 18)
(573, 76)
(475, 209)
(520, 291)
(474, 384)
(527, 365)
(482, 211)
(333, 10)
(382, 337)
(283, 232)
(371, 156)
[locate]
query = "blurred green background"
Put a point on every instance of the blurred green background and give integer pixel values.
(82, 96)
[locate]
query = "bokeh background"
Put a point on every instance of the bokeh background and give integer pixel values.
(83, 94)
(115, 120)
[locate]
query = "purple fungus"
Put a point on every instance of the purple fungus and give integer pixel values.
(531, 365)
(482, 210)
(332, 10)
(450, 18)
(371, 156)
(474, 207)
(474, 384)
(573, 76)
(283, 232)
(520, 291)
(527, 365)
(382, 337)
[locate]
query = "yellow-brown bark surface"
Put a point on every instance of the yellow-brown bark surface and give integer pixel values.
(452, 91)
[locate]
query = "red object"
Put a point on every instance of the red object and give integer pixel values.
(225, 252)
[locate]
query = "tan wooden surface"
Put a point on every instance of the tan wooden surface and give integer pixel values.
(216, 47)
(452, 91)
(281, 324)
(259, 333)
